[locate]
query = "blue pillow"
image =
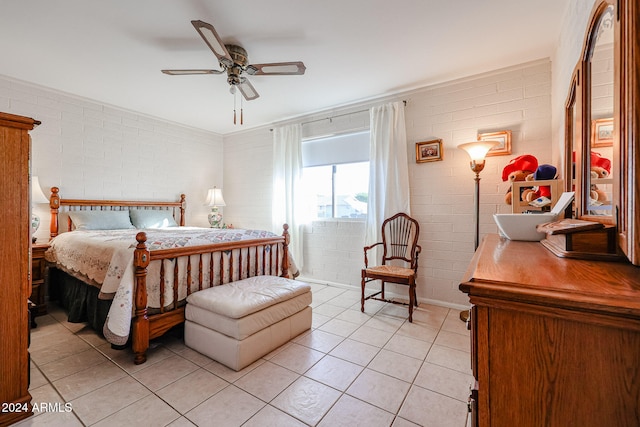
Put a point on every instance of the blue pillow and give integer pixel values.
(100, 220)
(150, 218)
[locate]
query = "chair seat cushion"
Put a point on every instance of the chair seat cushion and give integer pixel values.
(391, 270)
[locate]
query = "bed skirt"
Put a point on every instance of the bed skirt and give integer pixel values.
(78, 299)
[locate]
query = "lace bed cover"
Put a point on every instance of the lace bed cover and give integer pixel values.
(104, 258)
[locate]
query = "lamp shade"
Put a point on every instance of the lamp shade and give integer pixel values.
(37, 196)
(478, 150)
(214, 197)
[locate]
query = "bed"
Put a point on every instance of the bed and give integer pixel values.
(136, 262)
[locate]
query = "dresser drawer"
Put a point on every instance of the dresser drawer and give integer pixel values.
(38, 279)
(37, 270)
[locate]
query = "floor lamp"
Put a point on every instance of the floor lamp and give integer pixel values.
(477, 152)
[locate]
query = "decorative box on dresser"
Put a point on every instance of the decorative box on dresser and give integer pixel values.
(554, 341)
(15, 267)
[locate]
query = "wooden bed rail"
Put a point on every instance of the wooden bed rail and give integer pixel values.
(142, 329)
(55, 203)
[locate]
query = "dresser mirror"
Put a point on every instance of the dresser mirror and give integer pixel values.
(602, 119)
(599, 76)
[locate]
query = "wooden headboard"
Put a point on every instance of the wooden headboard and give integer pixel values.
(58, 204)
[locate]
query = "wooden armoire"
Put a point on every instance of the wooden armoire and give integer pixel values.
(15, 266)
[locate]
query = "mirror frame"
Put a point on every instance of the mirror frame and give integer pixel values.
(627, 145)
(626, 118)
(572, 131)
(578, 176)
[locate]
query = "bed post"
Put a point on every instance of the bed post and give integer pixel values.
(285, 251)
(183, 203)
(140, 324)
(54, 204)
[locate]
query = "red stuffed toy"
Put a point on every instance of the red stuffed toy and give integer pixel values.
(544, 172)
(518, 169)
(600, 168)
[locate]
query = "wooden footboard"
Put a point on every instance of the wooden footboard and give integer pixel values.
(268, 256)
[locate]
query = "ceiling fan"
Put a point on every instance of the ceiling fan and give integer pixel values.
(233, 60)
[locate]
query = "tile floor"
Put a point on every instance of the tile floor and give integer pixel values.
(351, 369)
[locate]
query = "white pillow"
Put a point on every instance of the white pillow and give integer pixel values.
(100, 220)
(148, 218)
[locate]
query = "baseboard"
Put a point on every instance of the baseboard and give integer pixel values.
(392, 294)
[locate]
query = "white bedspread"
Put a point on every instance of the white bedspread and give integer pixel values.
(105, 259)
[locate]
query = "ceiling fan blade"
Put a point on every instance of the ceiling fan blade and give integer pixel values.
(211, 38)
(247, 89)
(184, 72)
(277, 68)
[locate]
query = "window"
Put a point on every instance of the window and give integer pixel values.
(336, 175)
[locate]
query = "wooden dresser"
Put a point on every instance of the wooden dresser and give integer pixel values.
(554, 341)
(15, 267)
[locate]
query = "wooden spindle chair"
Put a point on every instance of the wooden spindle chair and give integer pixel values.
(399, 246)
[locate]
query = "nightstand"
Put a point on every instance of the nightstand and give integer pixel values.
(38, 274)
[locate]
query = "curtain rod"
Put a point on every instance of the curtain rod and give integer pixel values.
(333, 117)
(339, 115)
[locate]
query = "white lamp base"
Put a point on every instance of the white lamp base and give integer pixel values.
(35, 224)
(215, 218)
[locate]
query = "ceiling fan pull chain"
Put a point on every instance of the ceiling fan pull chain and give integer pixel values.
(241, 111)
(234, 108)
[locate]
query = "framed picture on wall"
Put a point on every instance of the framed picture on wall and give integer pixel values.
(504, 139)
(602, 133)
(429, 151)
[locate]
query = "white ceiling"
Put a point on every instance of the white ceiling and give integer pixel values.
(112, 51)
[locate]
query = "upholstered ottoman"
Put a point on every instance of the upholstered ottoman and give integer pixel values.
(239, 322)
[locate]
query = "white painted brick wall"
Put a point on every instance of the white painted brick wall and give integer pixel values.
(248, 160)
(568, 50)
(516, 99)
(91, 150)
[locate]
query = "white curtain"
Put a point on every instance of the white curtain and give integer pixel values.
(388, 168)
(287, 174)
